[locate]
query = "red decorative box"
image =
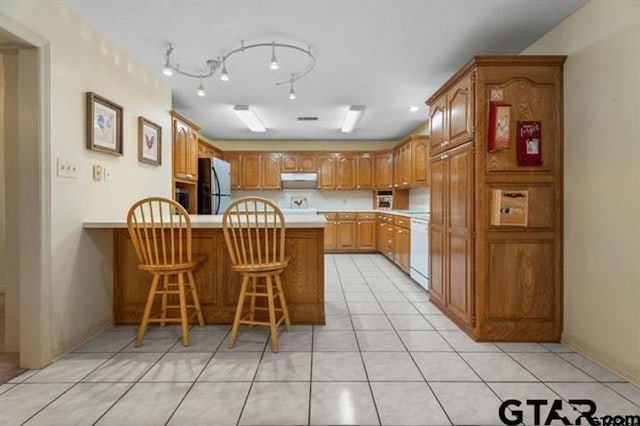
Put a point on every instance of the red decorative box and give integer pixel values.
(499, 126)
(529, 143)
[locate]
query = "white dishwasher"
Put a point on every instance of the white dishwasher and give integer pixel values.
(420, 250)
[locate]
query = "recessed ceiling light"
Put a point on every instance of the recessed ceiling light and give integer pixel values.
(413, 108)
(249, 118)
(351, 118)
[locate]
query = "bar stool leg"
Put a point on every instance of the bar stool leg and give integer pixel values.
(165, 287)
(272, 315)
(236, 321)
(252, 308)
(283, 302)
(184, 320)
(147, 310)
(196, 299)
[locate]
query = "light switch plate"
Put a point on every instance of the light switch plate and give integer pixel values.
(67, 168)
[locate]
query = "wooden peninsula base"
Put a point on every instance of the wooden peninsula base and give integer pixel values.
(218, 285)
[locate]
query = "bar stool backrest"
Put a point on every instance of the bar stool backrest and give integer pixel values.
(160, 230)
(254, 232)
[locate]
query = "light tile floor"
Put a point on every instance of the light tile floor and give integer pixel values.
(385, 356)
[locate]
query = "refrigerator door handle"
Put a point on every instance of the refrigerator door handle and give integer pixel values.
(217, 193)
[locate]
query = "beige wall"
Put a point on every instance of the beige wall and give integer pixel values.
(82, 60)
(602, 180)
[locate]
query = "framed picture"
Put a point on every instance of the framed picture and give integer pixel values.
(104, 125)
(149, 142)
(499, 126)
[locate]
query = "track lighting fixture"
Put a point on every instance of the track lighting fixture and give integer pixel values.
(212, 65)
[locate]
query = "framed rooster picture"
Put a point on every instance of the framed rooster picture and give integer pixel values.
(149, 142)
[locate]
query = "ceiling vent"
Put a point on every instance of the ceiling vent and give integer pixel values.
(307, 118)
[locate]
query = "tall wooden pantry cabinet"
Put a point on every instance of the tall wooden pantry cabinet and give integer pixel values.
(496, 269)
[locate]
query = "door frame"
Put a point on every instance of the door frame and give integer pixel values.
(35, 211)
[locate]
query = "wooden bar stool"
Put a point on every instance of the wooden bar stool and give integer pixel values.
(254, 232)
(160, 230)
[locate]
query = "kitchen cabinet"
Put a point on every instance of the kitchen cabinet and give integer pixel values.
(497, 283)
(384, 170)
(235, 161)
(347, 232)
(185, 148)
(207, 151)
(401, 247)
(270, 168)
(365, 171)
(251, 167)
(345, 171)
(402, 165)
(419, 161)
(331, 232)
(299, 162)
(366, 231)
(327, 171)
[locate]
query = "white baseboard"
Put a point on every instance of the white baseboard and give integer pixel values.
(627, 372)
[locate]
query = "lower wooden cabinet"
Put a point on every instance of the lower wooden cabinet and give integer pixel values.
(366, 231)
(347, 235)
(402, 248)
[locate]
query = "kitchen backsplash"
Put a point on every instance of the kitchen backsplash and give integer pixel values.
(320, 200)
(327, 200)
(419, 199)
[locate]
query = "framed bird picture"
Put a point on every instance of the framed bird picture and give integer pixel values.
(149, 142)
(104, 125)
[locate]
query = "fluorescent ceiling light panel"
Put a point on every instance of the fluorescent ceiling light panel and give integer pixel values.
(249, 118)
(351, 118)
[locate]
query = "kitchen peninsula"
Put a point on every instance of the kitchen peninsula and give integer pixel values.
(218, 285)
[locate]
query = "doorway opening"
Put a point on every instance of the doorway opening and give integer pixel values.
(24, 201)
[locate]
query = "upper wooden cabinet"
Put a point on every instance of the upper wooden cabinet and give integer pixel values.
(419, 161)
(346, 171)
(235, 161)
(384, 170)
(299, 162)
(270, 167)
(439, 136)
(251, 171)
(185, 148)
(402, 165)
(207, 151)
(327, 171)
(460, 111)
(365, 171)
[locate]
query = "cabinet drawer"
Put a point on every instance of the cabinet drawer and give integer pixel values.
(330, 216)
(401, 231)
(365, 216)
(346, 216)
(401, 221)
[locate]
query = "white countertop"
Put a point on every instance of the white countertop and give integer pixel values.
(390, 212)
(215, 221)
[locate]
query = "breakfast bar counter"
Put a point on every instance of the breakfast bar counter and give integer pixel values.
(218, 285)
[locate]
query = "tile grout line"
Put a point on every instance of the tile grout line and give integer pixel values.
(253, 381)
(355, 335)
(197, 377)
(409, 352)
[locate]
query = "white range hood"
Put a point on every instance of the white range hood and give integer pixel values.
(299, 180)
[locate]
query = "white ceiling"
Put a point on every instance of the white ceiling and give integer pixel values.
(383, 54)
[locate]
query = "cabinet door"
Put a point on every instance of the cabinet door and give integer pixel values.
(460, 111)
(397, 167)
(251, 171)
(180, 140)
(235, 162)
(307, 163)
(347, 235)
(459, 244)
(404, 249)
(346, 171)
(270, 167)
(381, 237)
(331, 235)
(366, 235)
(365, 171)
(406, 165)
(384, 171)
(419, 159)
(437, 117)
(289, 163)
(192, 154)
(327, 171)
(437, 255)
